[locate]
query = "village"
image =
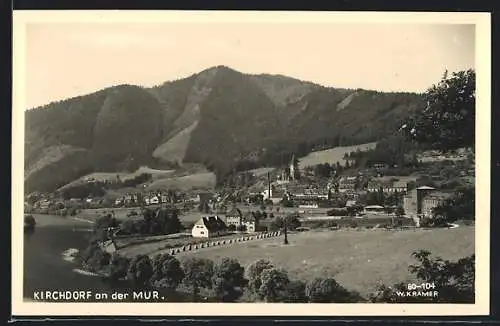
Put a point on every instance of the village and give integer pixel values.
(309, 220)
(365, 196)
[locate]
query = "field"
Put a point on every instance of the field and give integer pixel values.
(155, 173)
(120, 213)
(332, 155)
(261, 171)
(111, 176)
(188, 182)
(359, 260)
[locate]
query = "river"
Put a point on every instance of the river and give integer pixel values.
(44, 265)
(46, 269)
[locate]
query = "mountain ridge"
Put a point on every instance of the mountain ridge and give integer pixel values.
(220, 118)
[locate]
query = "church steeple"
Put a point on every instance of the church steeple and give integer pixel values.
(292, 168)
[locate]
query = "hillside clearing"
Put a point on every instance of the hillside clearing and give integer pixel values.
(112, 176)
(51, 155)
(359, 260)
(198, 180)
(174, 149)
(332, 155)
(261, 171)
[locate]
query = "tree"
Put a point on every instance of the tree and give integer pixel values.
(173, 224)
(118, 267)
(295, 292)
(296, 168)
(167, 271)
(105, 222)
(228, 279)
(453, 280)
(140, 271)
(448, 122)
(399, 212)
(460, 206)
(29, 222)
(254, 273)
(198, 273)
(128, 227)
(274, 283)
(98, 260)
(388, 294)
(327, 290)
(276, 224)
(204, 207)
(292, 221)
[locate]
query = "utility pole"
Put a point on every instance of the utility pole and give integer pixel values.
(285, 230)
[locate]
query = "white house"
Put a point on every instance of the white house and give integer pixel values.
(208, 227)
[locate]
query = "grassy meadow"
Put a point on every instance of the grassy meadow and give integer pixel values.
(357, 259)
(332, 155)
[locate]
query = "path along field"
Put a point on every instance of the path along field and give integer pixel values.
(357, 259)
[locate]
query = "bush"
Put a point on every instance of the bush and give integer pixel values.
(140, 271)
(119, 267)
(327, 290)
(29, 221)
(331, 224)
(274, 285)
(198, 273)
(295, 292)
(353, 224)
(167, 271)
(254, 273)
(228, 280)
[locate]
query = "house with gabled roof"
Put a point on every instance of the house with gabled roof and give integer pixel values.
(234, 217)
(249, 222)
(208, 227)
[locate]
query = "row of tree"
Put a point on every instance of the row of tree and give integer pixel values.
(154, 222)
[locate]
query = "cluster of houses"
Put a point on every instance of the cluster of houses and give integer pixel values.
(162, 197)
(350, 184)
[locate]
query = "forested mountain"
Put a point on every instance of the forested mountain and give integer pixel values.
(219, 117)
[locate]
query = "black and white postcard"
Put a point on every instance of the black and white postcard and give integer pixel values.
(250, 163)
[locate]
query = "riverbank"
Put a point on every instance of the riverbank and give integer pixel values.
(43, 220)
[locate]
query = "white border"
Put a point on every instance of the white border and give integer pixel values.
(482, 237)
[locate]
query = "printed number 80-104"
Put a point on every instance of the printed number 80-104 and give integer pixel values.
(423, 286)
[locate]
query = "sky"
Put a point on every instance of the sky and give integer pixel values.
(64, 60)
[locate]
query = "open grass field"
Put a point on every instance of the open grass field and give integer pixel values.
(155, 173)
(111, 176)
(357, 259)
(332, 155)
(120, 213)
(261, 171)
(185, 183)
